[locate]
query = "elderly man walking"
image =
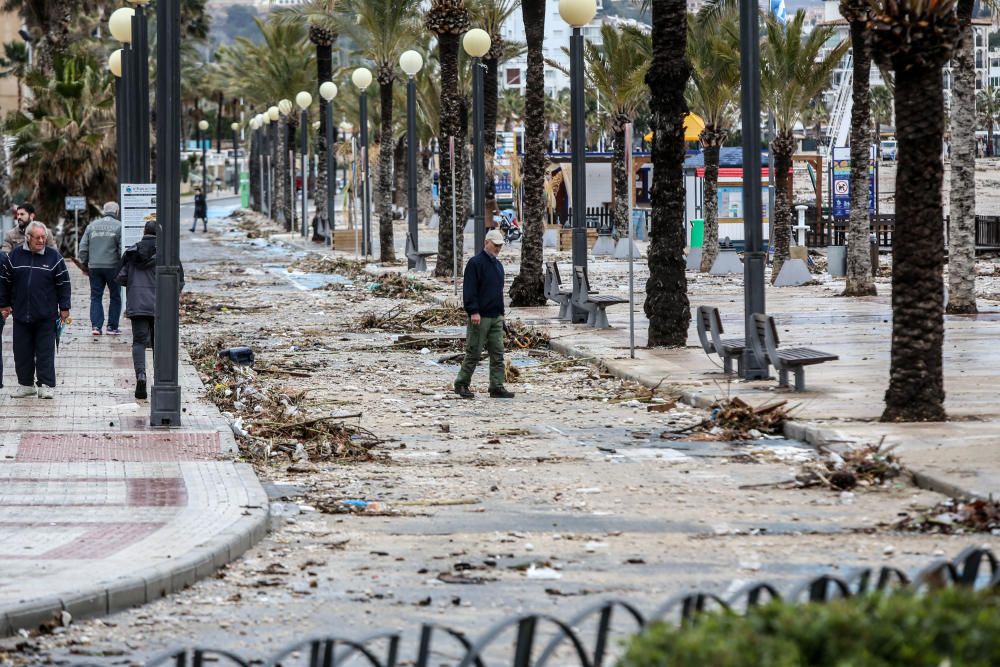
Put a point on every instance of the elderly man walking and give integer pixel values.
(483, 299)
(35, 286)
(100, 253)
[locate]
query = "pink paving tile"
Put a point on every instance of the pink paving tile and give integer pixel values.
(128, 447)
(156, 492)
(100, 540)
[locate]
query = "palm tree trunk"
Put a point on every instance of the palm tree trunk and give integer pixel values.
(322, 224)
(667, 305)
(280, 187)
(916, 381)
(400, 172)
(291, 224)
(859, 263)
(783, 146)
(962, 222)
(387, 253)
(451, 108)
(528, 288)
(425, 203)
(711, 141)
(490, 91)
(620, 177)
(254, 165)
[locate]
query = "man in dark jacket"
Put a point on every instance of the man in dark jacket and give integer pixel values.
(100, 255)
(35, 286)
(200, 210)
(138, 275)
(483, 297)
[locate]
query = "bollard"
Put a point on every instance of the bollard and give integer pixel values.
(873, 249)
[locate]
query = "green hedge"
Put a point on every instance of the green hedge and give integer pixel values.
(950, 628)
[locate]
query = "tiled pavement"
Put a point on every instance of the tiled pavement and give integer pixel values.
(98, 511)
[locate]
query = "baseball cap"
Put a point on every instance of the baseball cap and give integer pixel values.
(495, 236)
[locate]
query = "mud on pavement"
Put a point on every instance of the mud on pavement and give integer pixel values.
(396, 502)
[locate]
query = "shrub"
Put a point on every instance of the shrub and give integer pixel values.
(953, 627)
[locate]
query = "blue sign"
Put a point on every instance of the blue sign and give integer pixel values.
(842, 183)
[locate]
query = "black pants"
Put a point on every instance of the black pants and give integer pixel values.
(35, 352)
(3, 321)
(142, 337)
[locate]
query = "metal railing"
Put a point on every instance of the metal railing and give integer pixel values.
(833, 231)
(542, 639)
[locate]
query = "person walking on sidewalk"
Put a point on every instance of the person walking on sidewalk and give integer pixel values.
(35, 286)
(15, 237)
(200, 210)
(483, 300)
(138, 274)
(100, 253)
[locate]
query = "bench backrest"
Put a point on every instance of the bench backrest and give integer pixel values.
(551, 288)
(410, 250)
(584, 281)
(580, 292)
(715, 327)
(766, 339)
(704, 327)
(555, 273)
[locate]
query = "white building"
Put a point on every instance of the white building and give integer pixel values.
(557, 34)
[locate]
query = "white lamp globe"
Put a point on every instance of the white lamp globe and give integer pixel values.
(120, 24)
(202, 125)
(285, 107)
(115, 63)
(328, 90)
(303, 100)
(476, 42)
(362, 78)
(253, 123)
(315, 124)
(577, 13)
(266, 119)
(234, 127)
(273, 113)
(411, 62)
(138, 2)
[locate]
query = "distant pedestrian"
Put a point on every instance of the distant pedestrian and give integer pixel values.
(35, 286)
(483, 300)
(200, 210)
(138, 274)
(100, 258)
(15, 237)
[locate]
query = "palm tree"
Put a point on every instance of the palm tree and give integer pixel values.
(64, 142)
(713, 49)
(383, 29)
(915, 38)
(859, 263)
(448, 19)
(528, 288)
(880, 103)
(324, 28)
(667, 305)
(962, 221)
(988, 112)
(15, 64)
(511, 107)
(794, 71)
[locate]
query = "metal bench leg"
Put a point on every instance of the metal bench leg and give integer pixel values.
(782, 378)
(601, 319)
(420, 264)
(739, 365)
(800, 379)
(727, 365)
(590, 317)
(564, 309)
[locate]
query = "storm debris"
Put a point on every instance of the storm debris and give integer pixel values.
(954, 517)
(399, 285)
(869, 465)
(329, 264)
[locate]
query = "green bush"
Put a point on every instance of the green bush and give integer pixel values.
(954, 627)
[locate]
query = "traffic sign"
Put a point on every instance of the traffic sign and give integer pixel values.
(76, 203)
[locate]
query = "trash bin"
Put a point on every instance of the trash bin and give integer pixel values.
(836, 260)
(697, 233)
(245, 189)
(873, 249)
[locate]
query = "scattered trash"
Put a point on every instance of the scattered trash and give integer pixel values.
(542, 573)
(241, 356)
(954, 517)
(398, 285)
(870, 465)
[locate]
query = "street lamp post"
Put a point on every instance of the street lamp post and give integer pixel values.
(285, 109)
(165, 400)
(328, 91)
(754, 258)
(578, 13)
(115, 66)
(202, 127)
(236, 157)
(362, 78)
(477, 43)
(140, 54)
(411, 62)
(272, 141)
(120, 26)
(303, 100)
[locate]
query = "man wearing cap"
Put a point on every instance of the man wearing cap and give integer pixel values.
(100, 258)
(483, 300)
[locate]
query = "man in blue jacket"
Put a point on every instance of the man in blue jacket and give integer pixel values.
(35, 286)
(483, 298)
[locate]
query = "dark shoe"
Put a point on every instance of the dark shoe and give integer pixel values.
(114, 332)
(140, 386)
(464, 391)
(500, 392)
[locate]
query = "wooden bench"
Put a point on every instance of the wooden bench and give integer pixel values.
(566, 238)
(710, 334)
(594, 304)
(418, 258)
(554, 291)
(765, 346)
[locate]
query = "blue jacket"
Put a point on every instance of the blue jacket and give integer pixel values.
(36, 285)
(483, 287)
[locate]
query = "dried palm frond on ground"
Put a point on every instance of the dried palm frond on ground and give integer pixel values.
(520, 335)
(735, 419)
(870, 465)
(328, 264)
(446, 315)
(398, 285)
(954, 517)
(254, 224)
(398, 320)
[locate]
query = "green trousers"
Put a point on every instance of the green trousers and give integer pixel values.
(489, 334)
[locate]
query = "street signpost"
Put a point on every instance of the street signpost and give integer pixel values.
(76, 204)
(138, 207)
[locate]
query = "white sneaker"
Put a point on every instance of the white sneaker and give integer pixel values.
(21, 391)
(46, 392)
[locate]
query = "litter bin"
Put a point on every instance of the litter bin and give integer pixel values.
(697, 233)
(836, 260)
(873, 249)
(245, 189)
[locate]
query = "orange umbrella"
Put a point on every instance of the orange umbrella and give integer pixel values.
(693, 125)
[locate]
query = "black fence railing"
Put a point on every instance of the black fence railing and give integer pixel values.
(536, 640)
(602, 219)
(833, 231)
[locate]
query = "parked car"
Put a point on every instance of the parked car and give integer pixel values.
(887, 149)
